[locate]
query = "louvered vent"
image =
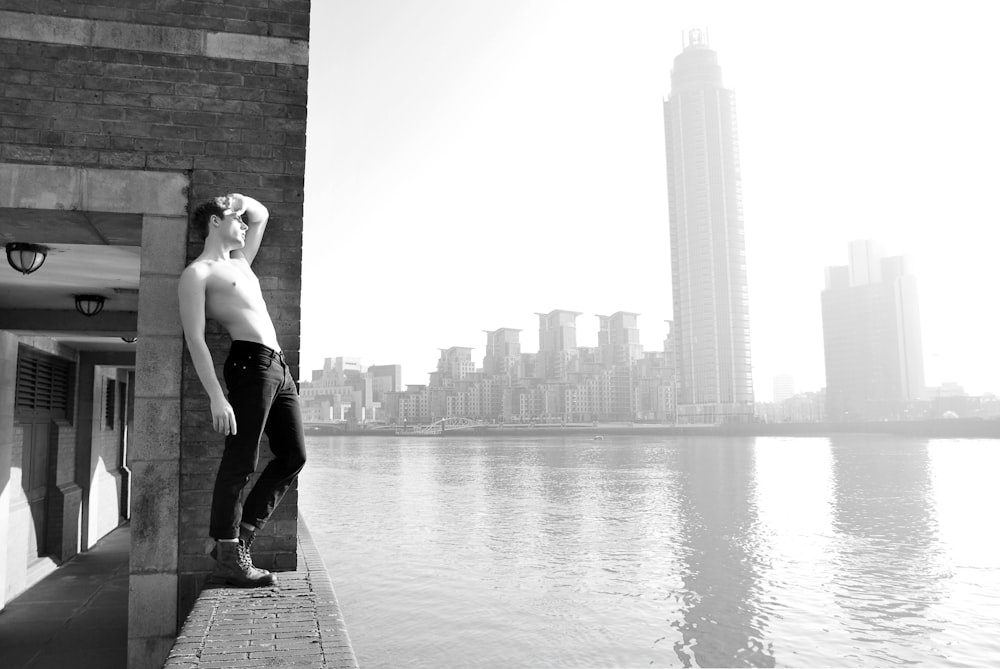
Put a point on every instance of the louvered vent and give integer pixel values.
(44, 383)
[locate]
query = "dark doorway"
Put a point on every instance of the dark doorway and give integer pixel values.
(38, 478)
(43, 400)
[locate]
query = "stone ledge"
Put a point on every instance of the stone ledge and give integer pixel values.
(297, 623)
(158, 39)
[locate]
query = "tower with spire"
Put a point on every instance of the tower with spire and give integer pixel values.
(707, 249)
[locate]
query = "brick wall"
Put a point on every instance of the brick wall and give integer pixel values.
(275, 18)
(130, 84)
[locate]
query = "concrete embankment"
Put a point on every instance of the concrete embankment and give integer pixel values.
(970, 428)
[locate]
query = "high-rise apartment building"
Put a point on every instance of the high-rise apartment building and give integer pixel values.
(618, 338)
(503, 352)
(707, 250)
(619, 350)
(556, 344)
(871, 336)
(455, 364)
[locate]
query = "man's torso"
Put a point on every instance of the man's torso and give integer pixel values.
(234, 300)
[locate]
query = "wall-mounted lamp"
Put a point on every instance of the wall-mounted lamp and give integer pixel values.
(130, 340)
(89, 305)
(26, 258)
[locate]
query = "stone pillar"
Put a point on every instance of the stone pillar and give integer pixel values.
(155, 457)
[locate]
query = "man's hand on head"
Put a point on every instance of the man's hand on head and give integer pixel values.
(236, 203)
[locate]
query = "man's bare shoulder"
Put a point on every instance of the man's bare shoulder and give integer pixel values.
(203, 268)
(198, 271)
(202, 271)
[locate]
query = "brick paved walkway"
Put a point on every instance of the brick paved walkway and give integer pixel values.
(297, 623)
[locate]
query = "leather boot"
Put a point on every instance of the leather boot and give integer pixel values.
(234, 566)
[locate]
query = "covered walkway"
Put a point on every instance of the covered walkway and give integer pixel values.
(77, 616)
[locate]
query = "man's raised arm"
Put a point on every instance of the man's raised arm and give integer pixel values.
(255, 215)
(191, 292)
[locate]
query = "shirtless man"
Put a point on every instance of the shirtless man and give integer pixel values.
(262, 396)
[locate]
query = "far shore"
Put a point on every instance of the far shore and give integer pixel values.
(954, 428)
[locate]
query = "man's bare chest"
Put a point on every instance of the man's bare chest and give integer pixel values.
(233, 283)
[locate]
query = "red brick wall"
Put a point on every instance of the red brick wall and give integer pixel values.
(231, 125)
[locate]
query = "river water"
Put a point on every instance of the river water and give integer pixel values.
(645, 551)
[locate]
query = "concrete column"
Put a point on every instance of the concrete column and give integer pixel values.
(154, 459)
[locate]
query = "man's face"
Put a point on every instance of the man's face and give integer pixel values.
(232, 226)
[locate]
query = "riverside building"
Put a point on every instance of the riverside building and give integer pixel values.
(871, 337)
(707, 250)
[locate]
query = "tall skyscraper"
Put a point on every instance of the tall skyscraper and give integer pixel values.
(707, 250)
(871, 336)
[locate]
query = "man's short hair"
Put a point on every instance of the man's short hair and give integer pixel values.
(204, 213)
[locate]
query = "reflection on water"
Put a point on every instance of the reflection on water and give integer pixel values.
(723, 624)
(638, 551)
(889, 570)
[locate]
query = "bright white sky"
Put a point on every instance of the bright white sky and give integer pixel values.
(473, 162)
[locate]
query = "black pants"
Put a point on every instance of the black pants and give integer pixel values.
(265, 400)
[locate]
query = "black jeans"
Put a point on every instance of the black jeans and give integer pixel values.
(265, 400)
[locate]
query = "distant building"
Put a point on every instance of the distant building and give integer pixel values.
(655, 387)
(556, 344)
(412, 405)
(949, 400)
(784, 387)
(385, 379)
(946, 389)
(503, 353)
(341, 391)
(454, 365)
(707, 250)
(345, 391)
(801, 408)
(871, 337)
(619, 348)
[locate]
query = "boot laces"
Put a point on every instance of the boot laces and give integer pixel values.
(243, 557)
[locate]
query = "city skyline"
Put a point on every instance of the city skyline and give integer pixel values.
(469, 161)
(496, 342)
(503, 349)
